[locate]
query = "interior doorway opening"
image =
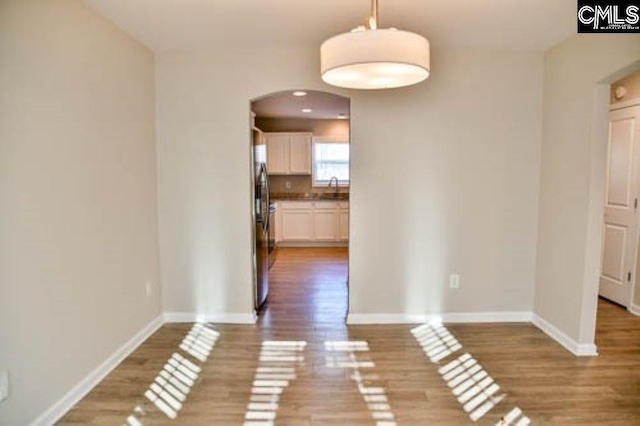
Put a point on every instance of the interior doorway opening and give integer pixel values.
(619, 284)
(300, 169)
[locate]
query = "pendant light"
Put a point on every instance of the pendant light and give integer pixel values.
(373, 58)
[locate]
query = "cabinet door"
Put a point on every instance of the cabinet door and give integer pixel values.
(297, 222)
(278, 154)
(343, 223)
(278, 224)
(326, 222)
(300, 154)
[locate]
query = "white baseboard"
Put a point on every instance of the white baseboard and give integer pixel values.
(508, 316)
(60, 408)
(578, 349)
(454, 317)
(389, 318)
(216, 318)
(313, 244)
(634, 309)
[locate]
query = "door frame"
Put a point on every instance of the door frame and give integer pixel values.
(595, 208)
(635, 175)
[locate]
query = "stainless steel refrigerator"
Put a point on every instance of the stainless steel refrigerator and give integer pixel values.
(261, 217)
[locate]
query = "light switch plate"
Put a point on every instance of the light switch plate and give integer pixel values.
(4, 385)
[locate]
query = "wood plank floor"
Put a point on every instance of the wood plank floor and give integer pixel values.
(300, 365)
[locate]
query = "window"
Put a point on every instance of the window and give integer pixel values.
(260, 153)
(330, 158)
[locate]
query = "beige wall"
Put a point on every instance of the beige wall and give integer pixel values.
(301, 184)
(77, 198)
(576, 98)
(444, 179)
(631, 83)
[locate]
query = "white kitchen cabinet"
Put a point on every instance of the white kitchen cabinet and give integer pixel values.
(278, 154)
(312, 222)
(325, 219)
(297, 221)
(289, 153)
(278, 222)
(300, 154)
(343, 222)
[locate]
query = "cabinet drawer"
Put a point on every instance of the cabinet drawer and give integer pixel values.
(326, 205)
(296, 205)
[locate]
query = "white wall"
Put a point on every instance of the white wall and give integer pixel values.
(577, 73)
(78, 229)
(445, 179)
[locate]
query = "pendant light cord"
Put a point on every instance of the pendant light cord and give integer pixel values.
(373, 20)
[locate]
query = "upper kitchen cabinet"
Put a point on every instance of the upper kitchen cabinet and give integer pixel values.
(289, 153)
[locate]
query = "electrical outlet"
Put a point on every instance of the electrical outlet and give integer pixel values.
(148, 289)
(287, 185)
(454, 281)
(4, 385)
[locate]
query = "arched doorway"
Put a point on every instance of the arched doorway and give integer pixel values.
(300, 163)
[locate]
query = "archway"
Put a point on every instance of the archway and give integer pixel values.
(300, 163)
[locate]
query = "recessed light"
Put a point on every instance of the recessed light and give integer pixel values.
(307, 110)
(342, 116)
(299, 93)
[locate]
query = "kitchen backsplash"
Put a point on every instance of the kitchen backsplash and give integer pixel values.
(298, 184)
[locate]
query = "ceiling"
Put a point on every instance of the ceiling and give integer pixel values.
(285, 105)
(177, 25)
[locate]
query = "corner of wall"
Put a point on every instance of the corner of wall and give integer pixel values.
(82, 388)
(578, 349)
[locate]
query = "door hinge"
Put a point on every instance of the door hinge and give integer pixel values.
(629, 276)
(635, 205)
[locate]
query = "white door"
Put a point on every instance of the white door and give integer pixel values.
(621, 203)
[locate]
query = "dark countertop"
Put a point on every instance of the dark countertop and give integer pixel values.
(299, 196)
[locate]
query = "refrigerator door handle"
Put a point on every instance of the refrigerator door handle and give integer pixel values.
(265, 197)
(266, 179)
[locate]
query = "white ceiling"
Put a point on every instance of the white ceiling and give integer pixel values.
(175, 25)
(285, 105)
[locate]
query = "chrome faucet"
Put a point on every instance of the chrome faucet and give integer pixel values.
(337, 183)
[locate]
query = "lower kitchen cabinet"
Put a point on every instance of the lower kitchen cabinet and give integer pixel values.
(343, 222)
(312, 223)
(297, 221)
(325, 221)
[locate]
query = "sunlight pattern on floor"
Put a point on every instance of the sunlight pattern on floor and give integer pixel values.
(472, 385)
(514, 417)
(436, 341)
(132, 420)
(474, 389)
(276, 369)
(199, 342)
(170, 388)
(344, 354)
